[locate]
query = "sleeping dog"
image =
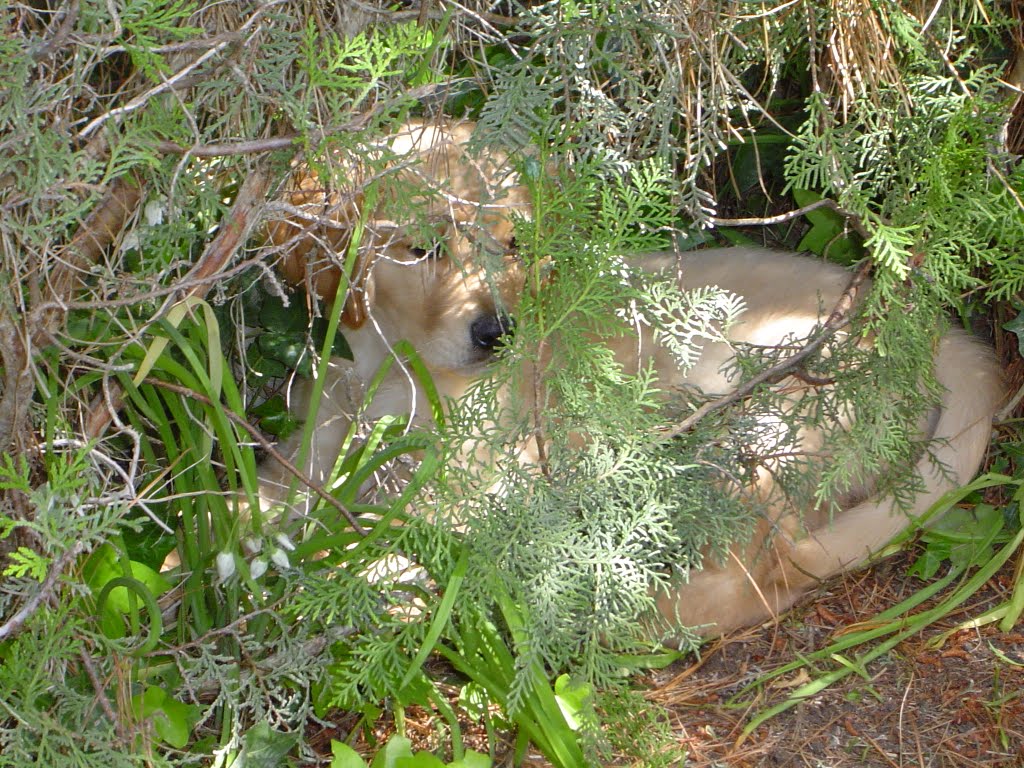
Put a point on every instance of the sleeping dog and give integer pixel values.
(450, 287)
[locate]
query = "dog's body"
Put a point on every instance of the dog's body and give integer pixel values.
(455, 316)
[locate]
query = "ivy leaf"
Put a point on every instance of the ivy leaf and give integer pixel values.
(172, 720)
(274, 417)
(826, 235)
(1016, 327)
(267, 748)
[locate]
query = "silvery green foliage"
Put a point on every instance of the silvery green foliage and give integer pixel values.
(685, 320)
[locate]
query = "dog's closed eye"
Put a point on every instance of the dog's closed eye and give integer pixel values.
(432, 252)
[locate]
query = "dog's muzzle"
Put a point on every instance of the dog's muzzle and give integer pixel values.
(490, 332)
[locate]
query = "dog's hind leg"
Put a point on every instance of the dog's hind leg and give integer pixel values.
(731, 596)
(973, 391)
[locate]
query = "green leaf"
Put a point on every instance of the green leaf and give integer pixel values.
(825, 237)
(575, 701)
(956, 536)
(27, 562)
(1016, 327)
(172, 720)
(419, 760)
(274, 417)
(472, 760)
(105, 565)
(397, 747)
(274, 314)
(287, 348)
(266, 748)
(343, 756)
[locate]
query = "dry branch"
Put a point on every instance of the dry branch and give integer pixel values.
(838, 318)
(231, 235)
(47, 588)
(764, 221)
(19, 336)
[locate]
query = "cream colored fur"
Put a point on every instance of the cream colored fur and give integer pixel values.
(434, 303)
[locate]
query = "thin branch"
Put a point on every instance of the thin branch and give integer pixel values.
(101, 695)
(231, 234)
(764, 221)
(269, 448)
(19, 336)
(64, 23)
(426, 13)
(178, 79)
(839, 317)
(104, 223)
(15, 623)
(251, 147)
(144, 98)
(291, 140)
(233, 230)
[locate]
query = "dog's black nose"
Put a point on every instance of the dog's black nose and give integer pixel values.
(489, 332)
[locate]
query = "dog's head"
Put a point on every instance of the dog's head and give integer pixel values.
(435, 264)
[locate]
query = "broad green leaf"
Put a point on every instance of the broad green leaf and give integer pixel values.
(419, 760)
(343, 756)
(397, 747)
(472, 760)
(267, 748)
(1016, 327)
(172, 720)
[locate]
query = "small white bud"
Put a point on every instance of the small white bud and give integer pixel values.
(130, 242)
(225, 565)
(285, 542)
(280, 558)
(154, 212)
(257, 568)
(253, 545)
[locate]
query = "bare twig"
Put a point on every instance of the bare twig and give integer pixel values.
(233, 230)
(839, 317)
(180, 79)
(61, 30)
(230, 236)
(763, 221)
(425, 13)
(101, 695)
(251, 147)
(19, 336)
(101, 228)
(269, 448)
(15, 623)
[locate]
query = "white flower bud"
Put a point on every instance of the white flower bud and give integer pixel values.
(253, 545)
(280, 558)
(257, 568)
(225, 565)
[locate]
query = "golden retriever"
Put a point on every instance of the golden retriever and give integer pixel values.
(443, 294)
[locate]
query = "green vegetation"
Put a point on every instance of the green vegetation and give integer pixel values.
(147, 345)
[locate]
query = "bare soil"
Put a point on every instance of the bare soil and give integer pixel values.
(959, 702)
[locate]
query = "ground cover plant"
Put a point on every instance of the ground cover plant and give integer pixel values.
(147, 346)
